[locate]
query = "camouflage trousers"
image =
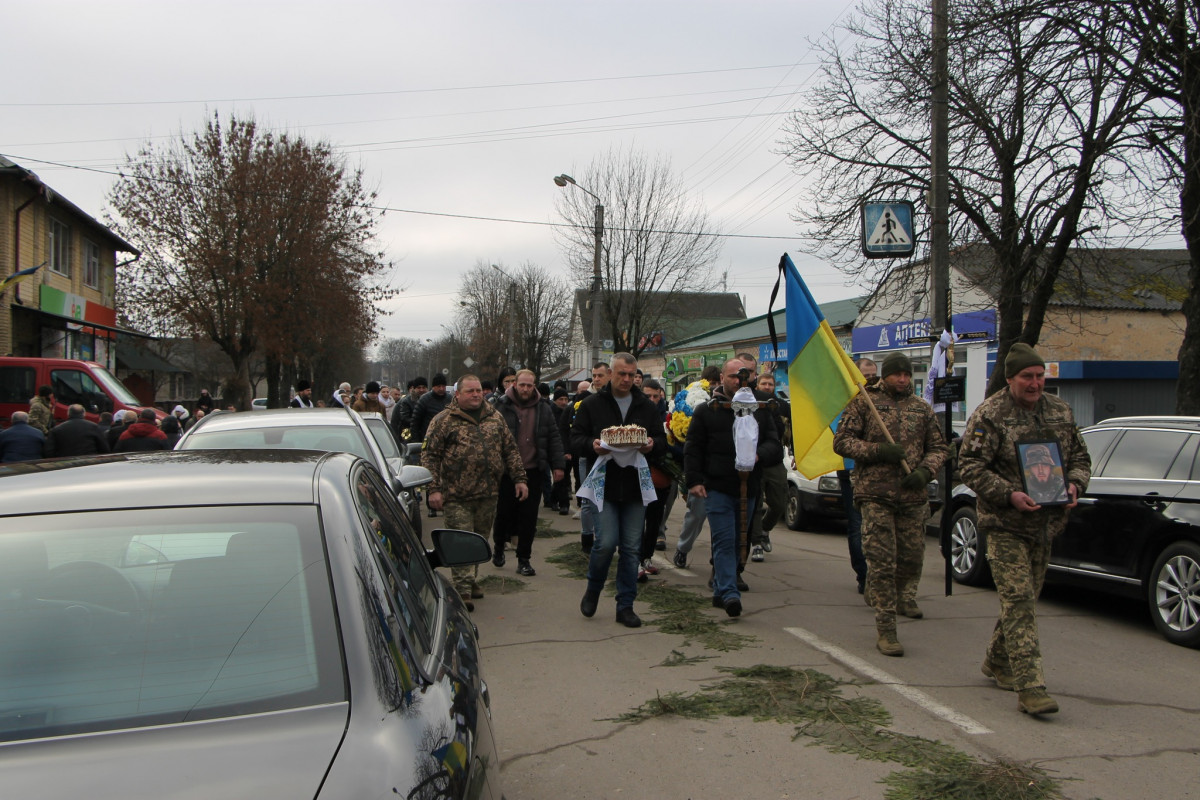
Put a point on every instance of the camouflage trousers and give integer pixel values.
(469, 515)
(893, 538)
(1019, 569)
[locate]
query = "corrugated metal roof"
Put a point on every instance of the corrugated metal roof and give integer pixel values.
(838, 313)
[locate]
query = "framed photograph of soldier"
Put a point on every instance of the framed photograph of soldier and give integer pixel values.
(1042, 473)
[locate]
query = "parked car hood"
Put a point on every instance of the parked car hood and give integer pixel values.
(281, 755)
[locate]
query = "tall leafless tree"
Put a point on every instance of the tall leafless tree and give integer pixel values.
(514, 316)
(1039, 143)
(1165, 63)
(261, 243)
(657, 242)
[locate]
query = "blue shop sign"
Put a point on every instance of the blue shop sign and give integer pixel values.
(895, 335)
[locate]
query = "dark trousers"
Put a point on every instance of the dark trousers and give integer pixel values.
(858, 562)
(518, 518)
(654, 518)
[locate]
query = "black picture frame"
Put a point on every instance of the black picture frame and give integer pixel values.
(1045, 489)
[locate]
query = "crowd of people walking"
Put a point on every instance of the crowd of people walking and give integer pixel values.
(498, 452)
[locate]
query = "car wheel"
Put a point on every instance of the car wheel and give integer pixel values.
(1174, 594)
(792, 515)
(968, 548)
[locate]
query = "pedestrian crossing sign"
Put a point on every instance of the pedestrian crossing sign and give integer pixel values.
(887, 229)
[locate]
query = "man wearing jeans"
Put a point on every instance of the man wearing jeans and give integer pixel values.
(709, 459)
(621, 515)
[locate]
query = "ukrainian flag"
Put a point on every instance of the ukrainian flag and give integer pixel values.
(821, 377)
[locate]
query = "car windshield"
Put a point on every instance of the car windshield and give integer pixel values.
(115, 387)
(327, 438)
(121, 619)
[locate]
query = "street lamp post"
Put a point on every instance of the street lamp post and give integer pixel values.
(564, 180)
(512, 302)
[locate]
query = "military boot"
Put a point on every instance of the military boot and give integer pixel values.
(910, 609)
(888, 644)
(1036, 701)
(1000, 674)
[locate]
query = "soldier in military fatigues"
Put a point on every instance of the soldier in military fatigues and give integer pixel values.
(894, 505)
(468, 447)
(1017, 529)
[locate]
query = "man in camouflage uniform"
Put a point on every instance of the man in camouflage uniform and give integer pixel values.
(894, 505)
(1017, 529)
(468, 447)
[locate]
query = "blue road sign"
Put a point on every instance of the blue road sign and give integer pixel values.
(887, 229)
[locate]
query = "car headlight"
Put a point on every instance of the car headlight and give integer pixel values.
(829, 483)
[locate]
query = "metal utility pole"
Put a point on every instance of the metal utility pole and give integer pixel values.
(597, 281)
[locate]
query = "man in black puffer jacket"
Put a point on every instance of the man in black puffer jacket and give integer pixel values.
(531, 420)
(623, 515)
(708, 460)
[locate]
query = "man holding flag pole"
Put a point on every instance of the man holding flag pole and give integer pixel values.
(823, 380)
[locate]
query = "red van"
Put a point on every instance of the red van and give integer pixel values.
(82, 382)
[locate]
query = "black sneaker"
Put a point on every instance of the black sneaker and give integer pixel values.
(733, 607)
(661, 544)
(523, 568)
(498, 556)
(628, 618)
(587, 606)
(741, 584)
(564, 510)
(680, 559)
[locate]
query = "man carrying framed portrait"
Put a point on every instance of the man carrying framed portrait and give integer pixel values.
(1028, 466)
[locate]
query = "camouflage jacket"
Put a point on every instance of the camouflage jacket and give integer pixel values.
(911, 423)
(468, 458)
(988, 462)
(41, 415)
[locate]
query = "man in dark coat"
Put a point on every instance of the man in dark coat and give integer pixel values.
(143, 434)
(205, 403)
(431, 404)
(402, 414)
(121, 421)
(75, 437)
(531, 419)
(622, 506)
(21, 441)
(712, 473)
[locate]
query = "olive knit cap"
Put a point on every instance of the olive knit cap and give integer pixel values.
(1019, 357)
(896, 362)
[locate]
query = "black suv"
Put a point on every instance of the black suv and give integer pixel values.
(1136, 532)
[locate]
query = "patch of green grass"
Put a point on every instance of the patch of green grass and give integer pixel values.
(677, 609)
(544, 531)
(678, 659)
(502, 584)
(814, 702)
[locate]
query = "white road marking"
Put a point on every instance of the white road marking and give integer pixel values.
(916, 696)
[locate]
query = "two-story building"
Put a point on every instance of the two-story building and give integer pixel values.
(67, 308)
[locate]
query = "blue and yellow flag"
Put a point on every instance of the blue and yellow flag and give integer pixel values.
(821, 377)
(16, 276)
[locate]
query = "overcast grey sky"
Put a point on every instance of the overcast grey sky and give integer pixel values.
(461, 111)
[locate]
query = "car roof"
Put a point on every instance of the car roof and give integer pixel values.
(162, 479)
(275, 418)
(1180, 423)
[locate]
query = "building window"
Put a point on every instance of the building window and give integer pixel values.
(91, 264)
(58, 246)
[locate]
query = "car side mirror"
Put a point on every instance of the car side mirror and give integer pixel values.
(454, 548)
(412, 476)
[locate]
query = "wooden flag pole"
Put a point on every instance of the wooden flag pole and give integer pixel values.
(875, 414)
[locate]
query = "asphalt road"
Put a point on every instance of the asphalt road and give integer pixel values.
(1129, 725)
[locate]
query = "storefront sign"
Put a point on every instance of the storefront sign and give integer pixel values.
(896, 335)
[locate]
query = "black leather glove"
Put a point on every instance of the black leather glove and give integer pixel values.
(891, 453)
(917, 479)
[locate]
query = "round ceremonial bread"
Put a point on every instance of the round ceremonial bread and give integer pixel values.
(625, 435)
